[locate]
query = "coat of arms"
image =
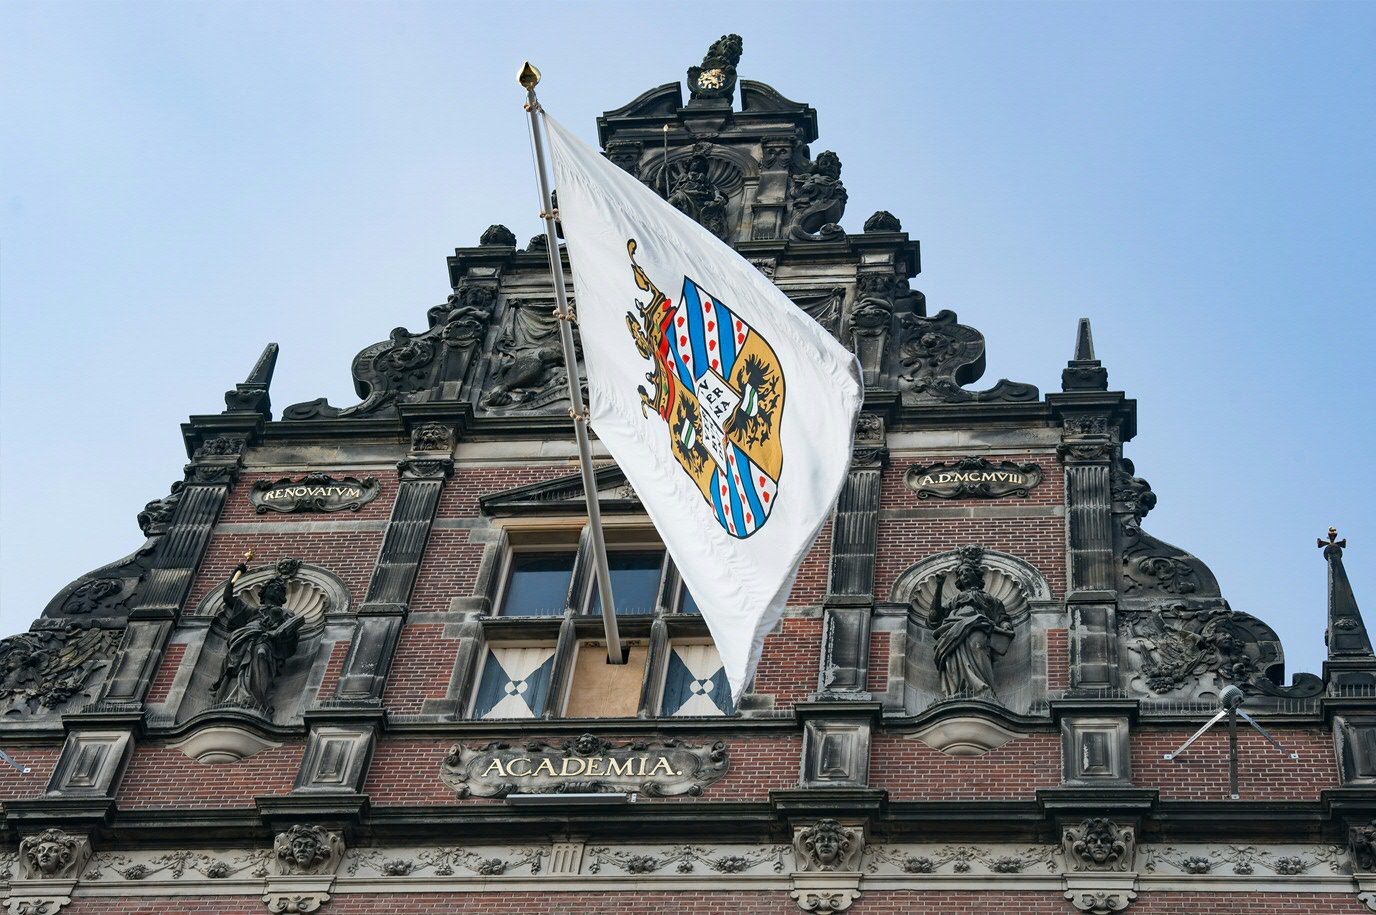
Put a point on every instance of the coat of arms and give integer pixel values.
(718, 384)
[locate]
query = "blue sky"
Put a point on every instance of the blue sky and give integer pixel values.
(181, 183)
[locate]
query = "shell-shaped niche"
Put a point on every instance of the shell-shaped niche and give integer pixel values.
(1009, 579)
(312, 592)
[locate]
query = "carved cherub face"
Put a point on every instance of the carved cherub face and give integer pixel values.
(1098, 843)
(305, 849)
(828, 841)
(49, 857)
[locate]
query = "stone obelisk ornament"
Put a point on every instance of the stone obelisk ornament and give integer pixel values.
(971, 630)
(261, 639)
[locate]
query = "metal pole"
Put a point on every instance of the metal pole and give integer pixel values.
(1232, 753)
(529, 78)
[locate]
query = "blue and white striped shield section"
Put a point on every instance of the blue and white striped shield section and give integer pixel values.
(515, 682)
(695, 683)
(704, 341)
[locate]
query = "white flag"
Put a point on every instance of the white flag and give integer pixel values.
(730, 410)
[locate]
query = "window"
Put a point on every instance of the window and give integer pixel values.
(636, 576)
(545, 652)
(537, 584)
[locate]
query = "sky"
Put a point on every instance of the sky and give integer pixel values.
(181, 183)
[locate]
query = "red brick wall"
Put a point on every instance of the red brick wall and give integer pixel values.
(351, 555)
(913, 771)
(421, 668)
(702, 902)
(1057, 659)
(1201, 773)
(239, 508)
(167, 672)
(460, 496)
(1036, 540)
(160, 777)
(13, 784)
(877, 680)
(406, 772)
(810, 587)
(333, 669)
(790, 661)
(449, 569)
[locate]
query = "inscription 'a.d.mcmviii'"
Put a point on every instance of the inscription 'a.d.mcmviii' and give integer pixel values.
(973, 477)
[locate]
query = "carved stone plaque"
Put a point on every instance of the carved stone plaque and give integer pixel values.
(973, 477)
(586, 764)
(314, 492)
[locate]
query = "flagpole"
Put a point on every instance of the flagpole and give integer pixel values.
(528, 79)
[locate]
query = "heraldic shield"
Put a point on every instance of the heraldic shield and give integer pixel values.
(718, 385)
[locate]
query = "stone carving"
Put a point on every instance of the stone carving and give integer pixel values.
(538, 244)
(819, 199)
(156, 516)
(828, 846)
(310, 850)
(432, 437)
(625, 155)
(49, 667)
(971, 629)
(1203, 648)
(812, 899)
(261, 639)
(973, 478)
(1361, 841)
(715, 77)
(583, 765)
(697, 195)
(1101, 902)
(53, 855)
(883, 221)
(314, 492)
(963, 858)
(464, 317)
(939, 356)
(1099, 844)
(1131, 494)
(295, 903)
(687, 858)
(449, 860)
(498, 235)
(395, 370)
(93, 595)
(874, 303)
(221, 446)
(528, 368)
(176, 865)
(823, 307)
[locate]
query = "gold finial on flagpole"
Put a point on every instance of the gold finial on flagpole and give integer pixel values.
(529, 76)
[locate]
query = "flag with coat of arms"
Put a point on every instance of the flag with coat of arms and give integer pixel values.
(728, 408)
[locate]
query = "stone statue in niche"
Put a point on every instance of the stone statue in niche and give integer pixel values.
(261, 640)
(971, 629)
(819, 198)
(695, 194)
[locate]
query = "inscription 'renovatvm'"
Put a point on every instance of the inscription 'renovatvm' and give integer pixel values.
(318, 492)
